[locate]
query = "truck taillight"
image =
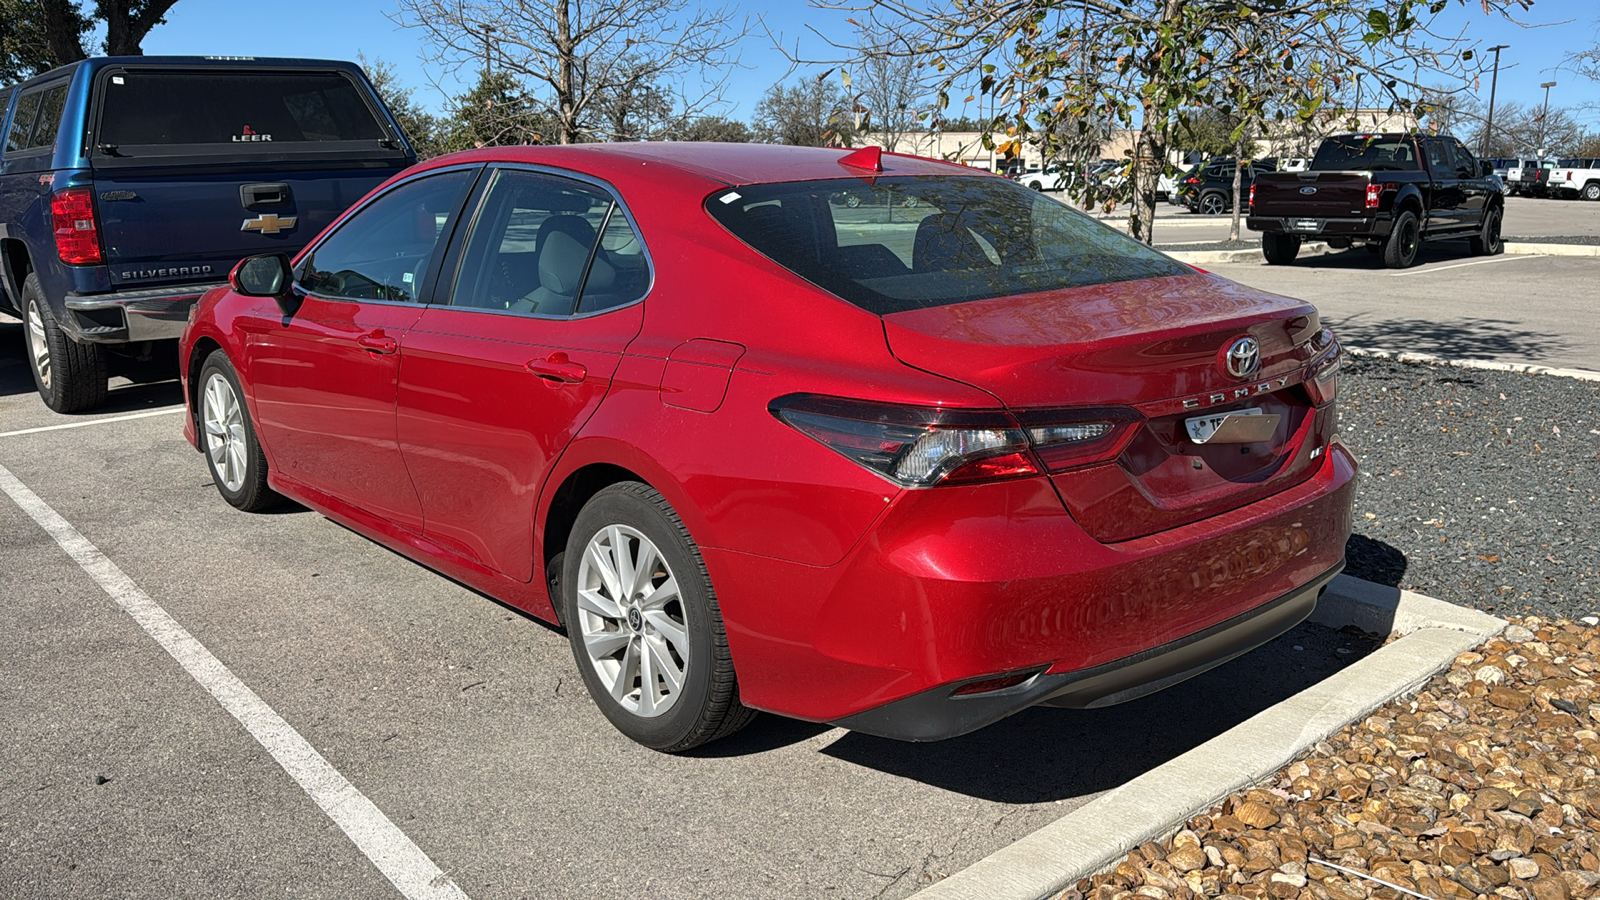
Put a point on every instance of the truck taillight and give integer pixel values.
(1374, 192)
(1252, 196)
(77, 236)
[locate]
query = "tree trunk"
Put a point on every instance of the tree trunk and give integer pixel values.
(1238, 181)
(566, 78)
(61, 32)
(1147, 153)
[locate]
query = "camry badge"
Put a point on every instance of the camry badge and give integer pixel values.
(269, 223)
(1244, 357)
(1308, 190)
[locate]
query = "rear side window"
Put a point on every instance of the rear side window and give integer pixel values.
(920, 242)
(1366, 153)
(534, 250)
(245, 110)
(22, 122)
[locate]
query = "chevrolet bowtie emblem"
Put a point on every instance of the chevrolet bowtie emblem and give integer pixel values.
(269, 223)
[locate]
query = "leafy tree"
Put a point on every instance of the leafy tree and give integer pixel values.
(495, 113)
(812, 112)
(718, 129)
(421, 127)
(39, 35)
(1138, 63)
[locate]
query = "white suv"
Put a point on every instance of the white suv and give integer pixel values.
(1576, 177)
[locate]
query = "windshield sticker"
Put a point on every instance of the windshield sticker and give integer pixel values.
(250, 135)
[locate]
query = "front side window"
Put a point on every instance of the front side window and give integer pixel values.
(383, 251)
(550, 246)
(919, 242)
(1466, 165)
(249, 111)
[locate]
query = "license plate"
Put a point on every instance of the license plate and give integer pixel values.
(1306, 224)
(1201, 428)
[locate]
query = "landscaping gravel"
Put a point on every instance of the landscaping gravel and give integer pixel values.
(1555, 239)
(1482, 785)
(1478, 487)
(1242, 244)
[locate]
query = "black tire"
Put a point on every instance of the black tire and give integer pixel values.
(246, 486)
(1037, 185)
(1591, 191)
(1400, 250)
(1487, 241)
(1212, 204)
(1280, 249)
(71, 376)
(706, 706)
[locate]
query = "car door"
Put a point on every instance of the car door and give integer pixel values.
(501, 374)
(324, 379)
(1474, 187)
(1444, 195)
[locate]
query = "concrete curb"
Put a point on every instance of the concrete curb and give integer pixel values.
(1212, 257)
(1100, 833)
(1520, 248)
(1489, 364)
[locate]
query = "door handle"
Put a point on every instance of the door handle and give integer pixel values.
(377, 343)
(557, 367)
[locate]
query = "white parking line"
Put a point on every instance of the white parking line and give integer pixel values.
(168, 411)
(1480, 262)
(401, 861)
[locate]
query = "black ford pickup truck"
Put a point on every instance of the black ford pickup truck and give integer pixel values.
(1389, 192)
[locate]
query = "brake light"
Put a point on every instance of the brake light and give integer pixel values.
(917, 446)
(77, 236)
(1374, 192)
(1252, 196)
(1323, 385)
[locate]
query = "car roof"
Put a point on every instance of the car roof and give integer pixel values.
(730, 164)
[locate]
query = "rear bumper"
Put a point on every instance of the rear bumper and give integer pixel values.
(960, 584)
(1376, 227)
(128, 316)
(938, 714)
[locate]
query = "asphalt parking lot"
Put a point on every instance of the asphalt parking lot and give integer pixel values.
(460, 720)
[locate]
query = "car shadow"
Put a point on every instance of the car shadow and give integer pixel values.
(136, 385)
(1458, 338)
(1373, 560)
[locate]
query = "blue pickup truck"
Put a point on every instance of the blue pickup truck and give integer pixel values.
(129, 186)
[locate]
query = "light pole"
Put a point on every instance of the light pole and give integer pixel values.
(1545, 116)
(1494, 81)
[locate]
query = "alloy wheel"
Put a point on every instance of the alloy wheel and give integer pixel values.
(1211, 205)
(38, 343)
(225, 437)
(632, 621)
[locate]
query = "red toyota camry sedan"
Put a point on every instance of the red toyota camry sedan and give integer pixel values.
(852, 437)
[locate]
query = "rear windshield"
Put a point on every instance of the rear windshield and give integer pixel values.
(894, 244)
(1366, 154)
(246, 110)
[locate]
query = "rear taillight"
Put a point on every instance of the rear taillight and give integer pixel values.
(1374, 193)
(1323, 384)
(77, 237)
(917, 446)
(1252, 196)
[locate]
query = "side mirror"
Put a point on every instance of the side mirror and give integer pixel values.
(268, 275)
(1485, 168)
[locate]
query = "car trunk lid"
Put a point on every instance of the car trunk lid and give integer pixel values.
(1159, 346)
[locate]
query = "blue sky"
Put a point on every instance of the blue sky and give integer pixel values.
(338, 29)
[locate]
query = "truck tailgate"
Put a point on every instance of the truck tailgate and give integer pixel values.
(169, 226)
(1311, 194)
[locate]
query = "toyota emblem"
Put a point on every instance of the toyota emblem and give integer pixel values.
(1244, 358)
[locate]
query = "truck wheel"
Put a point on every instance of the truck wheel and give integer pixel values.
(1280, 249)
(1591, 191)
(1487, 242)
(71, 377)
(1400, 250)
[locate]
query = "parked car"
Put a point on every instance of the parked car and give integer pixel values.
(1053, 177)
(1576, 177)
(1387, 191)
(1540, 185)
(1213, 195)
(1520, 175)
(131, 185)
(1189, 180)
(924, 473)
